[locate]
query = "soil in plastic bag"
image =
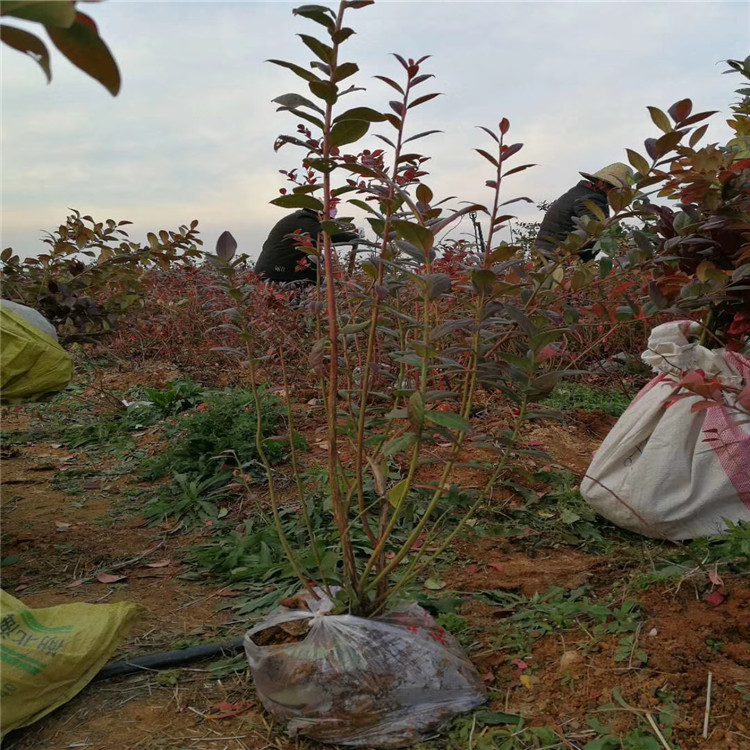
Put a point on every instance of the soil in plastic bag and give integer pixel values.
(384, 682)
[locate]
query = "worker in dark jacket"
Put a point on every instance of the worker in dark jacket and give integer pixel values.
(281, 259)
(559, 221)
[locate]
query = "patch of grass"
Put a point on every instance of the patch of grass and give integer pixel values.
(560, 515)
(571, 396)
(532, 618)
(204, 441)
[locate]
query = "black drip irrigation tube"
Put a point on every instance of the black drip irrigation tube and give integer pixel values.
(168, 660)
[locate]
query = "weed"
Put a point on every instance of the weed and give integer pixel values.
(223, 435)
(556, 610)
(560, 514)
(571, 396)
(189, 499)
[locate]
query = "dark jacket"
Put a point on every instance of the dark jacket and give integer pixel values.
(558, 221)
(279, 257)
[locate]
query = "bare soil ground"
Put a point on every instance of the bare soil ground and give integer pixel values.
(64, 540)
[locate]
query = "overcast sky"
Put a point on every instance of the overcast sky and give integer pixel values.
(191, 134)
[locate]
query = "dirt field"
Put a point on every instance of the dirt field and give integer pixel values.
(568, 676)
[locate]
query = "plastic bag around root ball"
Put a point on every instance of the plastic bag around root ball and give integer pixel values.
(383, 682)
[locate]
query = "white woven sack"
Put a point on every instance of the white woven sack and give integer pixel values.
(667, 471)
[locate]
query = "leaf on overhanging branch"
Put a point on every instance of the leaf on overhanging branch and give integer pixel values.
(295, 101)
(83, 46)
(518, 169)
(364, 206)
(697, 134)
(357, 3)
(437, 284)
(226, 246)
(448, 419)
(421, 135)
(411, 250)
(298, 200)
(667, 142)
(29, 44)
(325, 90)
(504, 125)
(347, 131)
(416, 234)
(60, 13)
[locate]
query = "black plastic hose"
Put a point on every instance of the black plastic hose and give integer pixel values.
(168, 660)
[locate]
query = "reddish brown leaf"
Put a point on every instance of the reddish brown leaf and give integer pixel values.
(109, 578)
(227, 710)
(714, 599)
(159, 564)
(496, 566)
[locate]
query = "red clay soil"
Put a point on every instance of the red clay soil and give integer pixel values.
(569, 676)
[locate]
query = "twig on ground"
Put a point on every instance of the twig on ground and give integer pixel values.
(707, 715)
(657, 731)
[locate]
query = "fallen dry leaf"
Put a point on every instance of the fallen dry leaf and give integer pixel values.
(75, 583)
(227, 710)
(62, 526)
(109, 578)
(714, 599)
(159, 564)
(496, 566)
(715, 578)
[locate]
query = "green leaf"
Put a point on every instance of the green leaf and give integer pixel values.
(348, 131)
(298, 200)
(83, 46)
(355, 327)
(448, 419)
(416, 410)
(29, 44)
(397, 493)
(433, 583)
(637, 161)
(325, 90)
(320, 50)
(496, 718)
(399, 444)
(660, 119)
(418, 235)
(344, 70)
(482, 280)
(437, 284)
(318, 13)
(60, 13)
(296, 69)
(360, 113)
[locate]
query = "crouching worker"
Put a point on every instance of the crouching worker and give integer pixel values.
(282, 260)
(559, 221)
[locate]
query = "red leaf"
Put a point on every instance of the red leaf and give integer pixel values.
(520, 663)
(109, 578)
(504, 125)
(496, 566)
(227, 710)
(75, 583)
(714, 599)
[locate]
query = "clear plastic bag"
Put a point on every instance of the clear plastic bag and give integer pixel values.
(383, 682)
